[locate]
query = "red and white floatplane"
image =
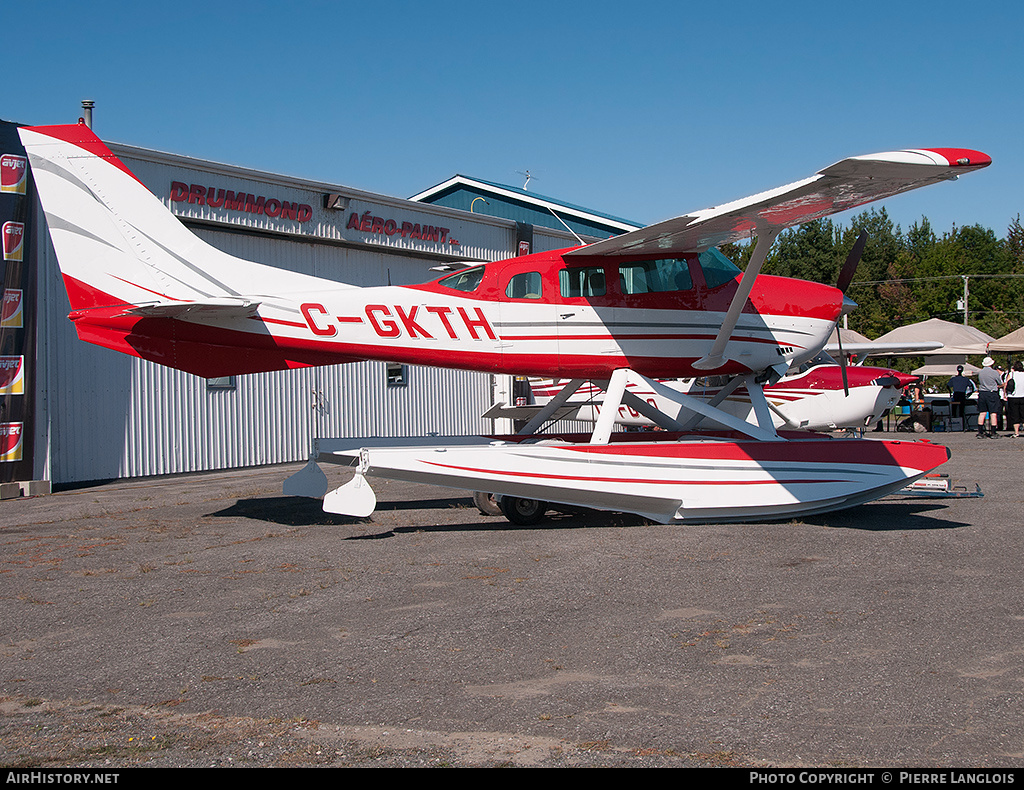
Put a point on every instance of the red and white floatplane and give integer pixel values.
(652, 304)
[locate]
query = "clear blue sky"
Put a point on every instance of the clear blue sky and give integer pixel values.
(644, 110)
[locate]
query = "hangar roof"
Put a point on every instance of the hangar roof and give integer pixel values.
(501, 200)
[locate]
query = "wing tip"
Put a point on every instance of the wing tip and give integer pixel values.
(962, 157)
(958, 158)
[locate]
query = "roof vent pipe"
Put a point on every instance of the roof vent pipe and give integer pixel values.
(87, 105)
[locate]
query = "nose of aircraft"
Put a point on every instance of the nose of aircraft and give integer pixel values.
(905, 379)
(894, 379)
(803, 299)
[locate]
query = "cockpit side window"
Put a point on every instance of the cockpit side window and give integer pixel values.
(526, 285)
(718, 270)
(467, 280)
(585, 281)
(641, 277)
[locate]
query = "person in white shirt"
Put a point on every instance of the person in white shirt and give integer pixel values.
(1013, 387)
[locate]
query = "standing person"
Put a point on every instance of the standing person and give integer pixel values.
(990, 385)
(1014, 389)
(960, 387)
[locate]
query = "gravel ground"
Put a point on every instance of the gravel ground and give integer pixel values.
(208, 620)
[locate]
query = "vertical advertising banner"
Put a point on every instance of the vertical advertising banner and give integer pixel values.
(524, 238)
(13, 173)
(17, 310)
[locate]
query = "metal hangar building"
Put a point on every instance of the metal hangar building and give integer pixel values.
(85, 413)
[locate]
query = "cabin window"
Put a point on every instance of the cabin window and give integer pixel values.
(718, 270)
(587, 281)
(641, 277)
(524, 286)
(466, 280)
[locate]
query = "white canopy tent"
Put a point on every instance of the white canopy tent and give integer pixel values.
(946, 366)
(958, 342)
(1011, 342)
(956, 339)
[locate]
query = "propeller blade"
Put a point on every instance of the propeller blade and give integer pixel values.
(852, 260)
(842, 362)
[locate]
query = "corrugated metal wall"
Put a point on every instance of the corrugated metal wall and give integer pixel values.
(108, 415)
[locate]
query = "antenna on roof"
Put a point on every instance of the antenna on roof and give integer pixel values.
(527, 174)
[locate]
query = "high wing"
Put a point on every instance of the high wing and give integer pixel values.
(844, 185)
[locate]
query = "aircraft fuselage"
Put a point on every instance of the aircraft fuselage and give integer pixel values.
(534, 315)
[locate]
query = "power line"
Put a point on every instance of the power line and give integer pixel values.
(933, 279)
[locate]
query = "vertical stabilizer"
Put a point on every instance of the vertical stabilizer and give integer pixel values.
(117, 244)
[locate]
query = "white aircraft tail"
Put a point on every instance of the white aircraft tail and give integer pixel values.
(124, 255)
(117, 243)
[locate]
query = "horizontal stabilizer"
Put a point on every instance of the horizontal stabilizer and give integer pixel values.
(207, 309)
(501, 411)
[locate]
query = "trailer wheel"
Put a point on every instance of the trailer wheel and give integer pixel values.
(522, 511)
(486, 503)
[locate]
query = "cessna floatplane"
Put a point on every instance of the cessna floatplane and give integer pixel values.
(655, 303)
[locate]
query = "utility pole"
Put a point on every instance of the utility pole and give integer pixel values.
(964, 304)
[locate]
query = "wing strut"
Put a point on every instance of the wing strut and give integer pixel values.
(551, 407)
(616, 394)
(715, 358)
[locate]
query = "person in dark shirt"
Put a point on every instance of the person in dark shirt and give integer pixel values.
(960, 388)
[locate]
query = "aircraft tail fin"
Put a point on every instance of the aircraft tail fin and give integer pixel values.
(116, 242)
(138, 280)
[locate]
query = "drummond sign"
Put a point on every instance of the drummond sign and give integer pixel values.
(275, 208)
(214, 197)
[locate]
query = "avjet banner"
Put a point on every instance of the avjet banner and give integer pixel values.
(17, 321)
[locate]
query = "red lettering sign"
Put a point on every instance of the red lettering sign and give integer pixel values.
(409, 322)
(324, 329)
(379, 226)
(480, 323)
(397, 320)
(443, 313)
(214, 197)
(383, 328)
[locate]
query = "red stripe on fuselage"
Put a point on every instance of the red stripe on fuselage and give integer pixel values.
(100, 318)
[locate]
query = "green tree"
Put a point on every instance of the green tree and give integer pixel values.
(808, 252)
(884, 259)
(908, 277)
(975, 253)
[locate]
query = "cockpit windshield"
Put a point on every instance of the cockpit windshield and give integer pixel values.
(467, 280)
(821, 359)
(718, 270)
